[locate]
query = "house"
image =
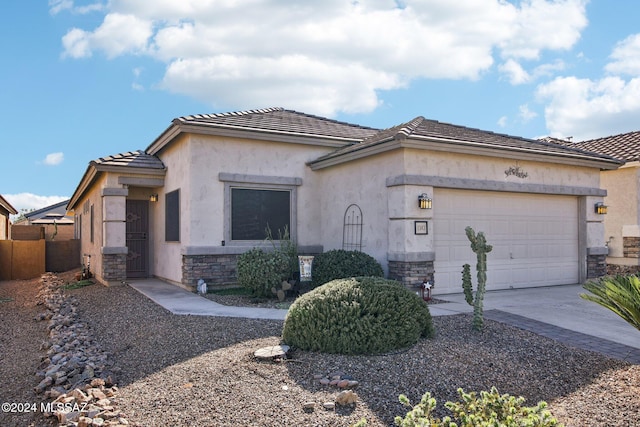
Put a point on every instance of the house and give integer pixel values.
(6, 210)
(57, 210)
(56, 222)
(206, 188)
(622, 203)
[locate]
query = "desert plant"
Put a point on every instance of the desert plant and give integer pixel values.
(620, 294)
(487, 410)
(340, 264)
(260, 271)
(287, 247)
(481, 248)
(467, 285)
(361, 315)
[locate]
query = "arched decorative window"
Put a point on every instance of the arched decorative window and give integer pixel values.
(352, 229)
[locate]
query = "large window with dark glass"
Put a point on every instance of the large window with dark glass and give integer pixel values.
(255, 210)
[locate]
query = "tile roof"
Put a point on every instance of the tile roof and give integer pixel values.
(132, 159)
(455, 135)
(279, 120)
(625, 146)
(57, 207)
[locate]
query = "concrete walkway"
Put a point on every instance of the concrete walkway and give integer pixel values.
(181, 301)
(556, 312)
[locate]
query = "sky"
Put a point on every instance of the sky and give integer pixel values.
(88, 79)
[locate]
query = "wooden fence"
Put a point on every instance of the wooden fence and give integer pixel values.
(26, 259)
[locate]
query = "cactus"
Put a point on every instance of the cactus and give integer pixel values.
(481, 248)
(466, 284)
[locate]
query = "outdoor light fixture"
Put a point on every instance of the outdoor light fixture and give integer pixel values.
(600, 208)
(424, 202)
(153, 198)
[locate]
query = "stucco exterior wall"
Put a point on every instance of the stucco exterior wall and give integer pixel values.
(390, 206)
(194, 164)
(485, 168)
(83, 227)
(5, 226)
(622, 218)
(362, 182)
(167, 262)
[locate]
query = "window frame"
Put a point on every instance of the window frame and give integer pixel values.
(252, 182)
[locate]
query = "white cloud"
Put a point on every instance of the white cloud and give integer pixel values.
(589, 109)
(28, 201)
(518, 75)
(541, 25)
(592, 108)
(118, 35)
(76, 44)
(626, 57)
(54, 159)
(526, 114)
(514, 72)
(502, 121)
(57, 6)
(323, 57)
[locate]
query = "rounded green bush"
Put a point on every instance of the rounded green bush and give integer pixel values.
(259, 271)
(359, 315)
(340, 264)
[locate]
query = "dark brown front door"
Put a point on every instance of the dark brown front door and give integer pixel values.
(137, 238)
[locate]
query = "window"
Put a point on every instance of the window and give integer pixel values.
(251, 202)
(253, 210)
(91, 221)
(172, 216)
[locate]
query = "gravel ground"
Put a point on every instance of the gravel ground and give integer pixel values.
(191, 370)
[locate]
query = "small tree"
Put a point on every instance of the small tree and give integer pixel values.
(481, 248)
(620, 294)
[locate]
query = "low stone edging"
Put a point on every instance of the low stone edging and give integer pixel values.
(75, 374)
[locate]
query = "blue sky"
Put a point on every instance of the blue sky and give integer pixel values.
(87, 79)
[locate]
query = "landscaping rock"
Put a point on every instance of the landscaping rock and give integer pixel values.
(75, 372)
(346, 397)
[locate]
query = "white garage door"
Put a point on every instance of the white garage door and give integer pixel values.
(534, 238)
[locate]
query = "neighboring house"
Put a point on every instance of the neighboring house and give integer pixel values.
(203, 192)
(57, 210)
(6, 210)
(56, 221)
(622, 221)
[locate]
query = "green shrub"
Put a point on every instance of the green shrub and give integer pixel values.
(259, 271)
(359, 315)
(288, 248)
(620, 294)
(488, 410)
(340, 264)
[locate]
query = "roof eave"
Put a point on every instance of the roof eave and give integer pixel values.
(466, 147)
(6, 205)
(95, 169)
(87, 179)
(179, 127)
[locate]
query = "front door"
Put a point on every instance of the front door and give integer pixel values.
(137, 238)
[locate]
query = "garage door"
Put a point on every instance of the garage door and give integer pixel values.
(534, 238)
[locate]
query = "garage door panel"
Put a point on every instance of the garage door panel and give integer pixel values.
(531, 248)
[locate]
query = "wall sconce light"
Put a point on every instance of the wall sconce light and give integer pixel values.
(153, 198)
(424, 202)
(600, 208)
